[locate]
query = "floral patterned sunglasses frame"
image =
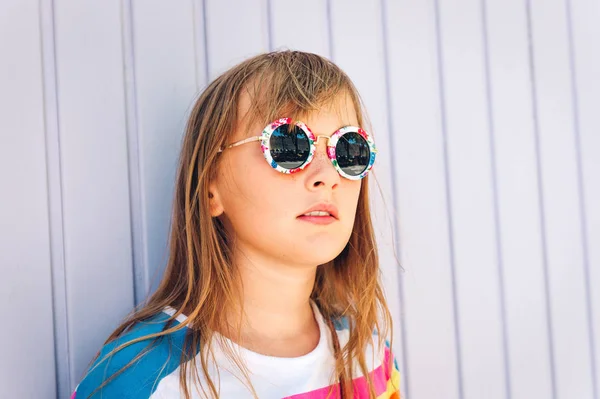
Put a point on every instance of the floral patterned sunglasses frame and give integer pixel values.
(265, 139)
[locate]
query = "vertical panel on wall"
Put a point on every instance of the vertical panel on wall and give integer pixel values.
(93, 142)
(529, 360)
(200, 44)
(562, 215)
(471, 199)
(584, 17)
(427, 287)
(235, 31)
(55, 202)
(27, 337)
(359, 52)
(162, 52)
(299, 28)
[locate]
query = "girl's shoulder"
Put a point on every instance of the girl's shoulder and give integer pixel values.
(134, 371)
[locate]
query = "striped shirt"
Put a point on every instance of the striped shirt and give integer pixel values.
(157, 373)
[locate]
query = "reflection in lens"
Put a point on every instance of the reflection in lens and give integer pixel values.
(352, 153)
(289, 146)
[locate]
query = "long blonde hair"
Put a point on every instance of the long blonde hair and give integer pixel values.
(200, 279)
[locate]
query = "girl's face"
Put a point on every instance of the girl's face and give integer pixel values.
(263, 207)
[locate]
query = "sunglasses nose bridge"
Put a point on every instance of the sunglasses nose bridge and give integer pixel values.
(319, 137)
(324, 155)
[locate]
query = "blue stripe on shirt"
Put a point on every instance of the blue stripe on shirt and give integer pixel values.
(141, 378)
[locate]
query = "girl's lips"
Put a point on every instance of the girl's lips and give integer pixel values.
(323, 206)
(322, 220)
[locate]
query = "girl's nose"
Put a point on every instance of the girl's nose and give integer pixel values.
(321, 171)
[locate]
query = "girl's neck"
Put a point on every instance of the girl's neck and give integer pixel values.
(276, 298)
(277, 308)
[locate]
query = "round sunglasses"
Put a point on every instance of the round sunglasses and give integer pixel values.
(289, 148)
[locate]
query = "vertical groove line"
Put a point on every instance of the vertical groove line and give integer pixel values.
(536, 130)
(54, 185)
(444, 132)
(199, 35)
(330, 29)
(195, 19)
(581, 194)
(206, 41)
(269, 25)
(396, 230)
(494, 178)
(137, 206)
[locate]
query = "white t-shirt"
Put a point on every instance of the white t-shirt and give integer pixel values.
(157, 375)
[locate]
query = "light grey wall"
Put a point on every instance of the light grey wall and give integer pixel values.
(487, 117)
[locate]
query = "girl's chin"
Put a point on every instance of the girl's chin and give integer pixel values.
(318, 254)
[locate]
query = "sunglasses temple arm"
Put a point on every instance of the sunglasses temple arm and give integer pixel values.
(248, 140)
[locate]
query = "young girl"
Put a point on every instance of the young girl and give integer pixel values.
(272, 285)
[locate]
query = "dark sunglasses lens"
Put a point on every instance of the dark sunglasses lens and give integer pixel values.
(353, 153)
(289, 146)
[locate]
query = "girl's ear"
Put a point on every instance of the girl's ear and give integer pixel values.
(215, 204)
